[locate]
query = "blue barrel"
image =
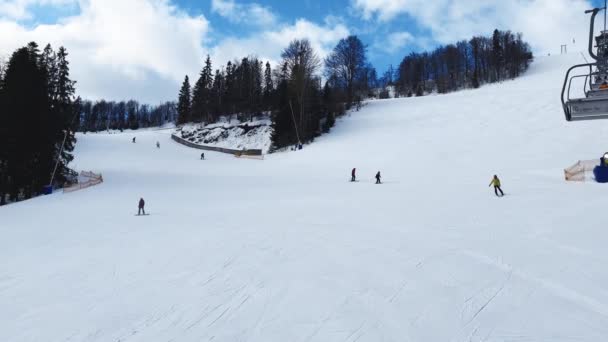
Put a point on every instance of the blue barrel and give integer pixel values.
(47, 189)
(601, 174)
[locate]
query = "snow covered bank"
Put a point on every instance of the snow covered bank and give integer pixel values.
(231, 134)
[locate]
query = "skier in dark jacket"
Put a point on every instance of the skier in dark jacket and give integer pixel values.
(202, 156)
(352, 175)
(157, 144)
(496, 182)
(141, 207)
(378, 178)
(133, 139)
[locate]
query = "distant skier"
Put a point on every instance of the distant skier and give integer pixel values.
(378, 178)
(496, 182)
(202, 156)
(141, 207)
(352, 175)
(157, 144)
(134, 140)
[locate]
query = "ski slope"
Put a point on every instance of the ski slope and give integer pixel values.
(286, 249)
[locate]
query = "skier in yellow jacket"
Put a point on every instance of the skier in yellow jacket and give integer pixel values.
(496, 182)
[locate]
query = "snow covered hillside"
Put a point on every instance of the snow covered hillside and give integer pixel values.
(287, 249)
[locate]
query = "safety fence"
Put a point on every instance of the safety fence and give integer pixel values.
(581, 171)
(238, 153)
(85, 179)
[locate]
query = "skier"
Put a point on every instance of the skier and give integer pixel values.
(157, 144)
(378, 178)
(202, 156)
(141, 207)
(496, 182)
(133, 139)
(353, 177)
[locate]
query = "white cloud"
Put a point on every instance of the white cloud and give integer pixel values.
(452, 20)
(269, 44)
(396, 41)
(19, 9)
(121, 48)
(253, 13)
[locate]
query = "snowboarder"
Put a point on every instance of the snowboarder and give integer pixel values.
(496, 182)
(157, 144)
(378, 178)
(352, 174)
(202, 156)
(134, 140)
(141, 207)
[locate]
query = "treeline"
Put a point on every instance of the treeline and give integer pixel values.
(37, 111)
(466, 64)
(300, 104)
(105, 115)
(240, 87)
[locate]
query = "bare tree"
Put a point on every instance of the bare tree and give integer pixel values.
(300, 64)
(347, 62)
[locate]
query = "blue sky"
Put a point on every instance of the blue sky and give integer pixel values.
(370, 32)
(143, 48)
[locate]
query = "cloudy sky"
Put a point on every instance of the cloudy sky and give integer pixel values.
(141, 49)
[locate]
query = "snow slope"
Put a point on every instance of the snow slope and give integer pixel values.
(286, 249)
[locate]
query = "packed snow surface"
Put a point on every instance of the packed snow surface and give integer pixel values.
(287, 249)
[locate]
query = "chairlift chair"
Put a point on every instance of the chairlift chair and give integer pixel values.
(595, 103)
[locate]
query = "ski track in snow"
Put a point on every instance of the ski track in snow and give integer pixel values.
(285, 250)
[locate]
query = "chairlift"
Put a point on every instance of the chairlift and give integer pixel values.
(595, 103)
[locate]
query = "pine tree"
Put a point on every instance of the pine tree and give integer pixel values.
(64, 112)
(132, 114)
(268, 87)
(257, 88)
(230, 90)
(26, 113)
(497, 54)
(327, 101)
(475, 43)
(3, 141)
(200, 93)
(208, 81)
(198, 100)
(217, 93)
(184, 103)
(49, 60)
(283, 129)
